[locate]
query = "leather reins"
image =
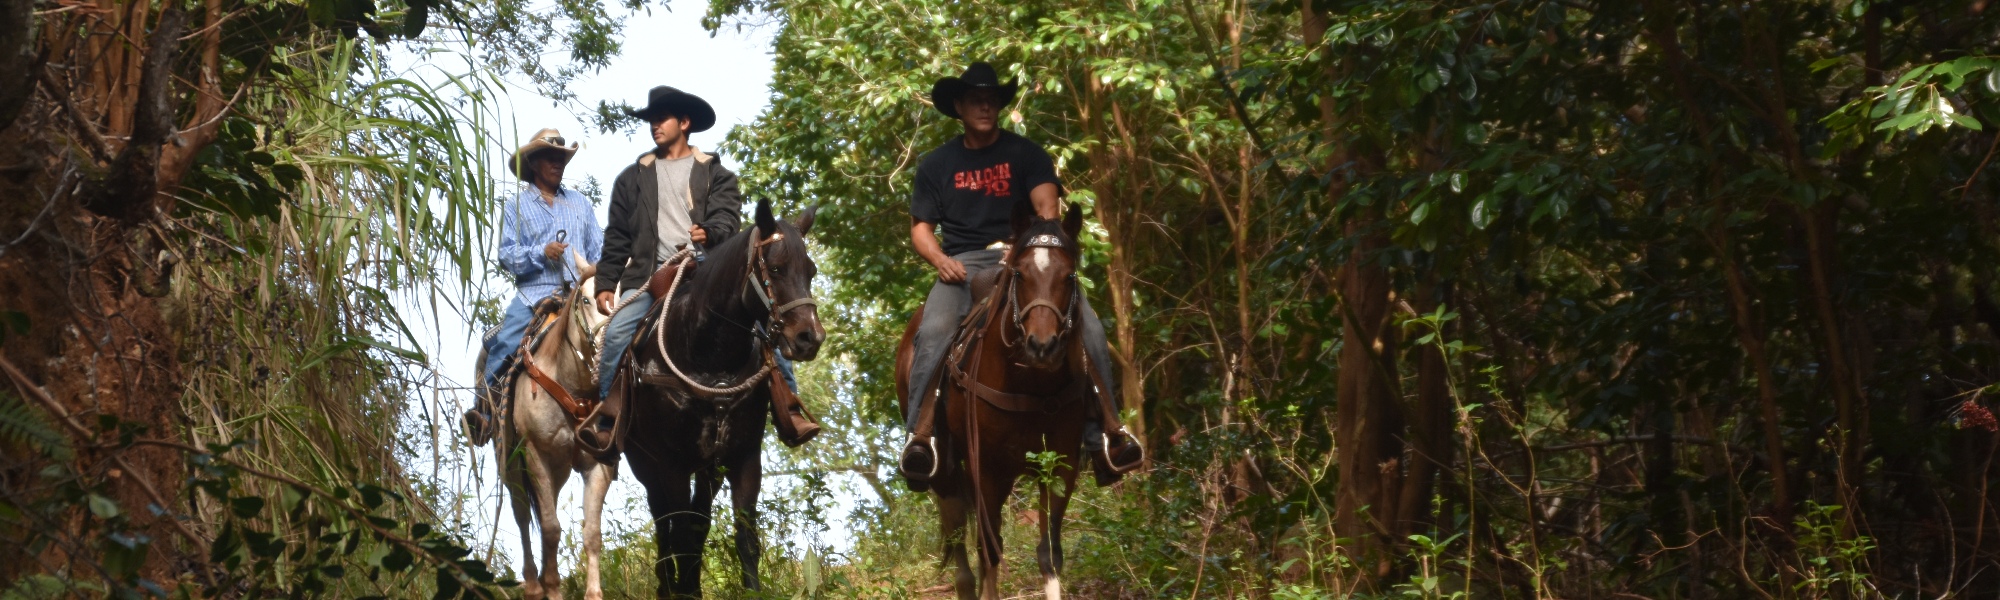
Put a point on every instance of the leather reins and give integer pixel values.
(578, 407)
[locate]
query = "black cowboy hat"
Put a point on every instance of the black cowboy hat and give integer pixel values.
(979, 75)
(665, 100)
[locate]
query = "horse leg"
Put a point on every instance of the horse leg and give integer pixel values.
(520, 495)
(595, 484)
(667, 497)
(547, 481)
(999, 485)
(1050, 553)
(746, 480)
(951, 519)
(691, 532)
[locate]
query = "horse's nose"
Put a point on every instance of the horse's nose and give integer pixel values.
(808, 338)
(1041, 346)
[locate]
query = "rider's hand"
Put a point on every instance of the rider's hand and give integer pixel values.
(950, 270)
(554, 250)
(604, 302)
(697, 234)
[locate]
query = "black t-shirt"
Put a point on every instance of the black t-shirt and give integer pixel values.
(971, 193)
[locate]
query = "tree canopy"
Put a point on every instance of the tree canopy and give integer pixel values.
(1650, 297)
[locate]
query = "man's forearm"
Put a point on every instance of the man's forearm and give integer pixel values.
(923, 237)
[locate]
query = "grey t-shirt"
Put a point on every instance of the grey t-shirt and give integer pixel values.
(674, 204)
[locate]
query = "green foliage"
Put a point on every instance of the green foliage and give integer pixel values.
(1835, 562)
(25, 425)
(1045, 470)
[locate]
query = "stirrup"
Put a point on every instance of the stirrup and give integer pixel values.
(930, 441)
(1105, 449)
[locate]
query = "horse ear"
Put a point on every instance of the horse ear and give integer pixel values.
(1072, 220)
(805, 222)
(1023, 217)
(766, 225)
(584, 269)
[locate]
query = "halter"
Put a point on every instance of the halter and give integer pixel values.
(1020, 312)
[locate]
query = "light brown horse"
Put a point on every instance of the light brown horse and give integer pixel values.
(536, 443)
(1016, 384)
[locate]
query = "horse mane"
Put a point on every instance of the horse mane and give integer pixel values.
(718, 285)
(715, 284)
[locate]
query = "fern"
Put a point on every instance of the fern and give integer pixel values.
(22, 424)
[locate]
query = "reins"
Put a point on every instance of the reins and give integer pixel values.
(581, 408)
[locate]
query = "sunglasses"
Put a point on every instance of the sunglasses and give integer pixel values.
(554, 139)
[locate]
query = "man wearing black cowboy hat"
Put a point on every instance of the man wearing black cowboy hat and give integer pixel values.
(970, 186)
(673, 197)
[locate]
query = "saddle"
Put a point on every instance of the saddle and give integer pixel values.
(982, 284)
(664, 278)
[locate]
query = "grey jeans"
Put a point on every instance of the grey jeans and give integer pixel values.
(947, 305)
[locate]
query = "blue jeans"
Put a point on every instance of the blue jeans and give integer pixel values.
(618, 336)
(624, 326)
(507, 340)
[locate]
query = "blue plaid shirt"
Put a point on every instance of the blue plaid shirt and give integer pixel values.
(529, 223)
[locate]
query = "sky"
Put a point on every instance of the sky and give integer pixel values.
(732, 70)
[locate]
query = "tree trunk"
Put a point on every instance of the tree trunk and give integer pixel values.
(1430, 430)
(1367, 418)
(1750, 334)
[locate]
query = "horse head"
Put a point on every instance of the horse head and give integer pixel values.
(581, 322)
(786, 272)
(1043, 296)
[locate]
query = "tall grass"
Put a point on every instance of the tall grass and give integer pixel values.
(334, 190)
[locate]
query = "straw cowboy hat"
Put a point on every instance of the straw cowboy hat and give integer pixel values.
(979, 75)
(666, 100)
(546, 140)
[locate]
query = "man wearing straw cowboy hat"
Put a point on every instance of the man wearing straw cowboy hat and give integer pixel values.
(538, 227)
(970, 186)
(674, 196)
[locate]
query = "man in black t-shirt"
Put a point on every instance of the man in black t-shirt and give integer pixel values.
(970, 186)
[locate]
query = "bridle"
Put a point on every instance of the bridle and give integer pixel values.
(1020, 312)
(757, 278)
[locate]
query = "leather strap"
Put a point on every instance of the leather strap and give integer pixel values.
(1025, 402)
(576, 408)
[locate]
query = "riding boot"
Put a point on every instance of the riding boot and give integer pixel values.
(479, 419)
(795, 425)
(1110, 465)
(1113, 451)
(599, 438)
(920, 455)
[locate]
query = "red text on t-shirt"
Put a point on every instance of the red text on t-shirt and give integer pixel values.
(993, 180)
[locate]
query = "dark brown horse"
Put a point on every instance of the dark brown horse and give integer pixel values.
(682, 441)
(1016, 383)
